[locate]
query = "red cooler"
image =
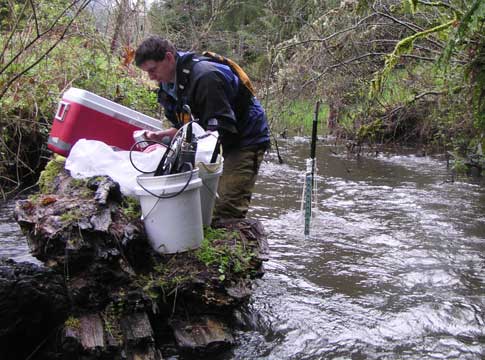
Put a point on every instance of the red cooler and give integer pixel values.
(84, 115)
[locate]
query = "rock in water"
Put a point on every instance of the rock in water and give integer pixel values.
(205, 333)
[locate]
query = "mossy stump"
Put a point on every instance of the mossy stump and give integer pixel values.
(123, 297)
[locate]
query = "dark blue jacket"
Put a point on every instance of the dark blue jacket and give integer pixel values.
(213, 91)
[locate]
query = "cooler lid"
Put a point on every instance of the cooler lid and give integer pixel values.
(110, 108)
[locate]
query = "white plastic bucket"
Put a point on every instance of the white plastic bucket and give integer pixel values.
(173, 224)
(209, 173)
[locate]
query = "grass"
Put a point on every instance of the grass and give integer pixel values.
(295, 117)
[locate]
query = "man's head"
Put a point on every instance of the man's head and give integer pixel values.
(157, 57)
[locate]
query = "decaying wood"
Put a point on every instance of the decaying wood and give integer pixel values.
(137, 329)
(121, 298)
(33, 303)
(98, 335)
(86, 335)
(205, 332)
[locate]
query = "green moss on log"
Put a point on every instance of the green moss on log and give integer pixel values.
(224, 250)
(131, 207)
(73, 323)
(49, 174)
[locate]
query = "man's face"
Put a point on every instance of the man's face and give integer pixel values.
(161, 71)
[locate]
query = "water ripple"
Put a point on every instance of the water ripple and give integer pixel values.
(393, 268)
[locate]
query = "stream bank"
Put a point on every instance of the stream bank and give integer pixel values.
(393, 267)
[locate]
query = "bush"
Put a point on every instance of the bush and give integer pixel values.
(29, 105)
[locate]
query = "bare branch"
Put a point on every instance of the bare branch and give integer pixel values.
(33, 41)
(426, 93)
(12, 31)
(325, 39)
(440, 4)
(41, 57)
(357, 58)
(328, 68)
(35, 17)
(413, 27)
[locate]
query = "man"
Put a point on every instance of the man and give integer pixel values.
(222, 101)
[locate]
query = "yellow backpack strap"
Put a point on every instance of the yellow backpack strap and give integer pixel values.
(235, 67)
(183, 118)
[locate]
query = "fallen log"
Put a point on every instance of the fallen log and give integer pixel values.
(121, 298)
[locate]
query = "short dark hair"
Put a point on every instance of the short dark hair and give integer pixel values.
(153, 48)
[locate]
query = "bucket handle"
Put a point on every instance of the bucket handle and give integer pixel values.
(172, 195)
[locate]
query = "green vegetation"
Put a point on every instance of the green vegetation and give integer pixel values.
(222, 254)
(72, 322)
(72, 215)
(223, 251)
(48, 175)
(295, 117)
(416, 67)
(161, 282)
(111, 321)
(131, 207)
(43, 54)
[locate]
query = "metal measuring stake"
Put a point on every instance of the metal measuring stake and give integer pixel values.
(310, 173)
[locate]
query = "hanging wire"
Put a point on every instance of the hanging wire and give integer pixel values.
(172, 195)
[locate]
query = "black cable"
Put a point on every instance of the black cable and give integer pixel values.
(169, 148)
(148, 141)
(173, 195)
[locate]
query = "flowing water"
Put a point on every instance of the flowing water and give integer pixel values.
(393, 268)
(12, 243)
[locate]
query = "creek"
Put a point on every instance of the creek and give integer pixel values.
(394, 266)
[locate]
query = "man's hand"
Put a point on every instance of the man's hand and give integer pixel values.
(159, 135)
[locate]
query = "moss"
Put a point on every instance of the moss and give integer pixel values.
(222, 255)
(86, 193)
(72, 216)
(370, 131)
(34, 198)
(131, 207)
(111, 319)
(73, 323)
(459, 166)
(77, 183)
(99, 178)
(48, 175)
(81, 187)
